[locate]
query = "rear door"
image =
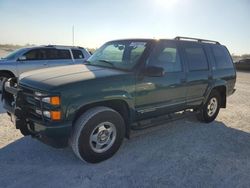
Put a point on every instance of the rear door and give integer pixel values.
(160, 95)
(58, 57)
(32, 60)
(198, 74)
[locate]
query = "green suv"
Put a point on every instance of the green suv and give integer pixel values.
(124, 84)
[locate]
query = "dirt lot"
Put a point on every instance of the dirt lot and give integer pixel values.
(3, 53)
(184, 153)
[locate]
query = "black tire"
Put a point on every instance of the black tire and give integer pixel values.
(203, 115)
(84, 128)
(5, 75)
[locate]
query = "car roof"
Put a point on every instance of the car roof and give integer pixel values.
(55, 46)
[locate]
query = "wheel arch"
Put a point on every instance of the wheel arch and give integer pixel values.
(222, 89)
(119, 105)
(7, 72)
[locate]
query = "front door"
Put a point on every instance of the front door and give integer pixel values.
(160, 95)
(32, 60)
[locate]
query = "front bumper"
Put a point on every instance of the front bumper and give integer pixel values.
(52, 133)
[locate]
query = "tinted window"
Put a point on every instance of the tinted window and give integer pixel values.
(166, 57)
(77, 54)
(36, 54)
(222, 58)
(53, 54)
(196, 58)
(64, 54)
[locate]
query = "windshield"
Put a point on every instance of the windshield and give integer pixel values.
(118, 54)
(13, 54)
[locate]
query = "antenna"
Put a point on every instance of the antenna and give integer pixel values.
(73, 35)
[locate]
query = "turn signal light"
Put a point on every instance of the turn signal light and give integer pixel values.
(52, 100)
(55, 115)
(55, 100)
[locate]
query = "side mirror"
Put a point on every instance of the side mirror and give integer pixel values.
(22, 58)
(153, 71)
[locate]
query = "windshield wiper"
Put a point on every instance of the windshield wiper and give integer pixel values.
(107, 62)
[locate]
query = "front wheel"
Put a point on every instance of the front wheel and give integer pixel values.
(97, 134)
(3, 77)
(211, 108)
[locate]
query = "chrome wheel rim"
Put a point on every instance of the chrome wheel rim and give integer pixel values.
(102, 137)
(212, 107)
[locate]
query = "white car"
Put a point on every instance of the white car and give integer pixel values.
(32, 58)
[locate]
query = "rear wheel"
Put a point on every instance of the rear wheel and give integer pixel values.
(211, 108)
(98, 134)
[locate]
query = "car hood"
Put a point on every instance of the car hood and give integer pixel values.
(50, 78)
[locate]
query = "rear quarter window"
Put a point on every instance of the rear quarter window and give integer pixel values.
(222, 57)
(77, 54)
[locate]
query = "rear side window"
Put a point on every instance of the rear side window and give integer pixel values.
(64, 54)
(77, 54)
(53, 54)
(196, 58)
(222, 58)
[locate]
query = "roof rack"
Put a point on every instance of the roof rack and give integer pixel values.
(62, 46)
(196, 39)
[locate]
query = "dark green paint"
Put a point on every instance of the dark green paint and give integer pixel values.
(80, 85)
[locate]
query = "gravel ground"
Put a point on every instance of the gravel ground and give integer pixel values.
(184, 153)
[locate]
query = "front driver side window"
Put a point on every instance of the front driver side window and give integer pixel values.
(35, 54)
(167, 57)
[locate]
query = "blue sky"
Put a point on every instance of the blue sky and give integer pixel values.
(97, 21)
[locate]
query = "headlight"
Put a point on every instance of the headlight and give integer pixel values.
(52, 100)
(53, 115)
(39, 94)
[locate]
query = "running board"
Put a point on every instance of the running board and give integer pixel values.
(162, 119)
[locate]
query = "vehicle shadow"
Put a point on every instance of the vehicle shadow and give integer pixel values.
(184, 153)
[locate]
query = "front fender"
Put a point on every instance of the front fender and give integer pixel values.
(9, 66)
(75, 106)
